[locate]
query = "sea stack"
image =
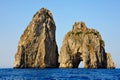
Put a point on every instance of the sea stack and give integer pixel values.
(37, 47)
(84, 44)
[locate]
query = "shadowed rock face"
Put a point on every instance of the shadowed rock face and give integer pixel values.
(84, 44)
(37, 46)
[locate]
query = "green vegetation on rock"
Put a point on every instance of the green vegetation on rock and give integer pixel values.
(78, 33)
(91, 33)
(102, 42)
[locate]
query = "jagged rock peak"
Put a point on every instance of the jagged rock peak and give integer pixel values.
(79, 25)
(37, 47)
(43, 11)
(84, 44)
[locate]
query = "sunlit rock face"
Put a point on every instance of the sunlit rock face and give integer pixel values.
(37, 46)
(84, 44)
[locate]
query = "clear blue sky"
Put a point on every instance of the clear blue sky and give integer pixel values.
(15, 15)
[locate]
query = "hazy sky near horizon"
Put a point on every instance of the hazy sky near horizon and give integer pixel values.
(103, 15)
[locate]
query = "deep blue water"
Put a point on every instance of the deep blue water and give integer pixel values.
(60, 74)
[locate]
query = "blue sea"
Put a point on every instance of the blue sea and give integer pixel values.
(59, 74)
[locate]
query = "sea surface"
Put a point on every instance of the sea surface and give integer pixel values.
(59, 74)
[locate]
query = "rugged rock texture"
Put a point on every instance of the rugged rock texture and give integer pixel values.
(110, 63)
(37, 46)
(84, 44)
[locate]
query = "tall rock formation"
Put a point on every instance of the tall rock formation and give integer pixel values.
(37, 46)
(84, 44)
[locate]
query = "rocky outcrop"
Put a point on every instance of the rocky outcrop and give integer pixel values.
(37, 46)
(110, 63)
(84, 44)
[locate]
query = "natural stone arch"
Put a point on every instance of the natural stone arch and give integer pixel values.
(84, 44)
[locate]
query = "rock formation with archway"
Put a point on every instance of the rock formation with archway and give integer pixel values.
(84, 44)
(37, 47)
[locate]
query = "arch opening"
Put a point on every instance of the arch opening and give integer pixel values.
(81, 65)
(77, 60)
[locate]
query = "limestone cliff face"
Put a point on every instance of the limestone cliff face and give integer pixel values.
(37, 46)
(84, 44)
